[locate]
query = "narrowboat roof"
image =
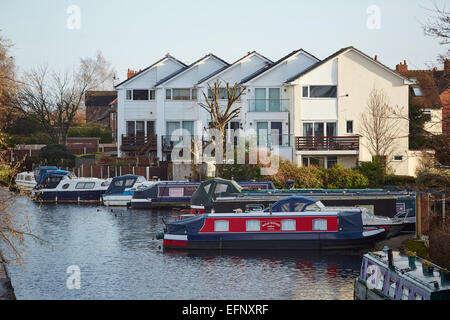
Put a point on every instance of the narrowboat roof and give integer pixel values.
(430, 282)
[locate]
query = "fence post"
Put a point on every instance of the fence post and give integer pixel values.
(92, 173)
(133, 171)
(418, 215)
(101, 172)
(120, 171)
(443, 207)
(147, 172)
(108, 172)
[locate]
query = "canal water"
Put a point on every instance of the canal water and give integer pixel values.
(119, 258)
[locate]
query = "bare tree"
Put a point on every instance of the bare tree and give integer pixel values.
(380, 124)
(8, 84)
(221, 113)
(438, 26)
(55, 98)
(103, 71)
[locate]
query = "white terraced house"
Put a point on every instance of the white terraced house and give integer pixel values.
(310, 108)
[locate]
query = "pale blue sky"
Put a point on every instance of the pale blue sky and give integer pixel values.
(137, 33)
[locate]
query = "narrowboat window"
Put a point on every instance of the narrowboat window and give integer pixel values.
(380, 283)
(27, 178)
(221, 226)
(289, 225)
(392, 288)
(65, 186)
(405, 295)
(320, 225)
(418, 296)
(253, 225)
(129, 182)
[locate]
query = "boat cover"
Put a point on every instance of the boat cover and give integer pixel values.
(211, 189)
(53, 173)
(292, 204)
(119, 184)
(40, 171)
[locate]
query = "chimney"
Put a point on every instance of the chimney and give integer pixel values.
(446, 65)
(376, 58)
(131, 73)
(402, 67)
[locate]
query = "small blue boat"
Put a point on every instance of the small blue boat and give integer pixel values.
(121, 189)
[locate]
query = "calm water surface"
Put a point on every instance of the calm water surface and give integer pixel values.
(119, 259)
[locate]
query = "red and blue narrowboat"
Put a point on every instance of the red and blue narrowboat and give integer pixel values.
(272, 231)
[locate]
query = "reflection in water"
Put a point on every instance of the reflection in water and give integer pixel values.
(119, 259)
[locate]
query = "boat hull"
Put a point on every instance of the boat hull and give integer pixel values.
(288, 242)
(93, 196)
(117, 200)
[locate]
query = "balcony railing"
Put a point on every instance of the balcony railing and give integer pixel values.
(139, 143)
(281, 140)
(269, 105)
(327, 143)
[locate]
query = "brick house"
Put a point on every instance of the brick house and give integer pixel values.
(97, 107)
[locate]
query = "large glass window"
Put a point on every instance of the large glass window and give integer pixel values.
(131, 129)
(322, 91)
(140, 95)
(350, 127)
(181, 94)
(260, 99)
(392, 288)
(140, 128)
(172, 128)
(274, 99)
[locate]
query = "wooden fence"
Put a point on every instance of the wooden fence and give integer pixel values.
(106, 172)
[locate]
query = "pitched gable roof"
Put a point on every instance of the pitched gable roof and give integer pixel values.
(233, 64)
(338, 53)
(167, 56)
(179, 72)
(273, 65)
(426, 82)
(99, 98)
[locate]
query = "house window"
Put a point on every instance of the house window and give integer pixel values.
(221, 226)
(140, 95)
(323, 91)
(398, 158)
(168, 94)
(320, 225)
(129, 95)
(140, 128)
(418, 296)
(181, 94)
(331, 162)
(319, 129)
(253, 225)
(305, 92)
(417, 92)
(152, 95)
(289, 225)
(194, 94)
(350, 126)
(392, 289)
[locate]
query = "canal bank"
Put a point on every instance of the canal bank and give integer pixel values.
(6, 288)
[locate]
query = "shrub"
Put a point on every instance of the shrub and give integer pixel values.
(339, 177)
(374, 172)
(304, 178)
(56, 155)
(392, 180)
(104, 134)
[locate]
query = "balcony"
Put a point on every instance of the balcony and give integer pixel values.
(269, 105)
(327, 143)
(139, 144)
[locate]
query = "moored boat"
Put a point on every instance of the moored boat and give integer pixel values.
(389, 275)
(61, 186)
(370, 221)
(121, 189)
(220, 195)
(271, 231)
(178, 193)
(27, 180)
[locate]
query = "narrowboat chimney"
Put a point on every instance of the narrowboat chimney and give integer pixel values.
(390, 258)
